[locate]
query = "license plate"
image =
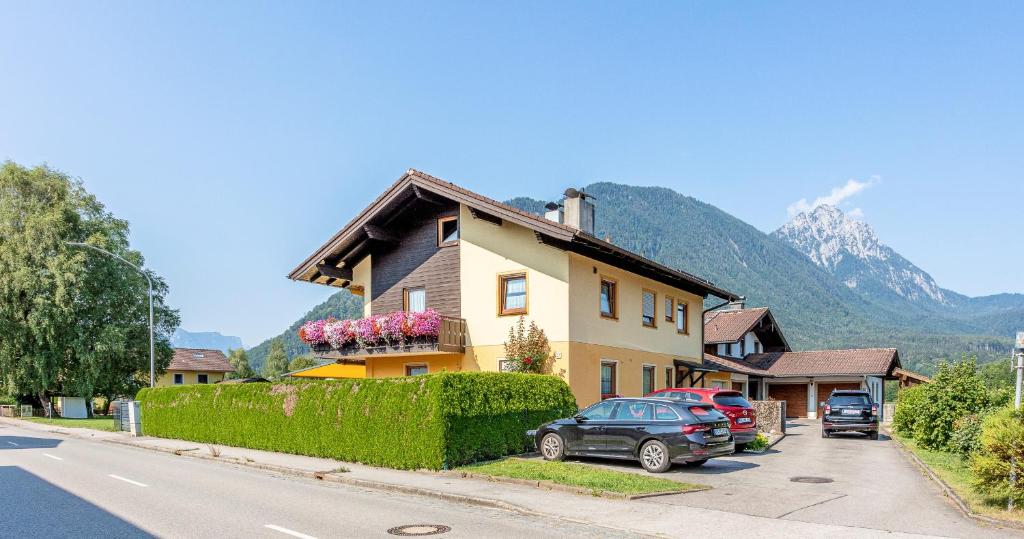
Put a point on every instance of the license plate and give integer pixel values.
(743, 420)
(719, 432)
(851, 412)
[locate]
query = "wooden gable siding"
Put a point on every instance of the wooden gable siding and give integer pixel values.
(417, 261)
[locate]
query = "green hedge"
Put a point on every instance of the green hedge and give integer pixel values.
(436, 421)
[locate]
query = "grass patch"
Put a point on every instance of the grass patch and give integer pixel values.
(597, 480)
(956, 472)
(96, 423)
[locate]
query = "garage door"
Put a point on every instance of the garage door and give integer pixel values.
(795, 396)
(824, 390)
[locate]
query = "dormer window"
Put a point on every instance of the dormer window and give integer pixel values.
(447, 231)
(198, 355)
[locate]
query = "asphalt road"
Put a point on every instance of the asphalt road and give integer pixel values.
(64, 487)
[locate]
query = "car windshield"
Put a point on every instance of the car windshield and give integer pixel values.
(848, 400)
(732, 399)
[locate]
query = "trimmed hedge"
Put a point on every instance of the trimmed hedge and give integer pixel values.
(435, 421)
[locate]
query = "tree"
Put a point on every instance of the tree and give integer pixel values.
(302, 362)
(277, 361)
(956, 390)
(72, 321)
(239, 361)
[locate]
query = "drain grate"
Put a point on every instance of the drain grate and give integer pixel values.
(419, 529)
(810, 479)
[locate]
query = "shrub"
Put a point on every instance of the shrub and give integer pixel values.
(909, 403)
(759, 443)
(527, 350)
(7, 399)
(966, 438)
(434, 421)
(956, 390)
(1002, 438)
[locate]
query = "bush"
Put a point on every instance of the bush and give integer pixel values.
(7, 399)
(956, 390)
(434, 421)
(758, 444)
(966, 438)
(1002, 438)
(909, 403)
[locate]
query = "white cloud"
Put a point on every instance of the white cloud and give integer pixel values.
(838, 195)
(855, 213)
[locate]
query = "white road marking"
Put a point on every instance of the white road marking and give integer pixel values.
(293, 533)
(12, 443)
(136, 483)
(52, 456)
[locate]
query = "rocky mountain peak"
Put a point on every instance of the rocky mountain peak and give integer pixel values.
(850, 249)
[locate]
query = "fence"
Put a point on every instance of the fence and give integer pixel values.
(771, 416)
(8, 410)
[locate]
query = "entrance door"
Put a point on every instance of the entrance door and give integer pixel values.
(795, 396)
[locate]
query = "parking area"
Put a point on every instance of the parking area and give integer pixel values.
(845, 480)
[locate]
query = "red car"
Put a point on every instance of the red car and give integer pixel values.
(742, 418)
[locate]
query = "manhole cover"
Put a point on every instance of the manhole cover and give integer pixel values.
(419, 529)
(810, 479)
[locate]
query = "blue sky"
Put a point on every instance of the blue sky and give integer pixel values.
(237, 137)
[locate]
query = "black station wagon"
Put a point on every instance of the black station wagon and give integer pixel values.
(658, 432)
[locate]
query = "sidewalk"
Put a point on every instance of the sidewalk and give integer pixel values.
(635, 516)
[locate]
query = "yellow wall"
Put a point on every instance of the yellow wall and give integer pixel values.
(627, 331)
(191, 377)
(391, 366)
(486, 251)
(585, 370)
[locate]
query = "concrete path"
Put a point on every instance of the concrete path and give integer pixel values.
(871, 485)
(752, 492)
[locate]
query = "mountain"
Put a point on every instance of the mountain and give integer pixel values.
(204, 339)
(340, 305)
(850, 250)
(827, 278)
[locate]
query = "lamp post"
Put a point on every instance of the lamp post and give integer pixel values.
(152, 357)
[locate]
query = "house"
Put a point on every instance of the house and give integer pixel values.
(195, 366)
(745, 349)
(617, 322)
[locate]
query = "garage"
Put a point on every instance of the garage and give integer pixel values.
(795, 396)
(824, 390)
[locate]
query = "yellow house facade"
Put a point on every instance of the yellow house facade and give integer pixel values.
(195, 366)
(617, 323)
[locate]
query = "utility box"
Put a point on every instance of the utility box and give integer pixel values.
(134, 417)
(72, 407)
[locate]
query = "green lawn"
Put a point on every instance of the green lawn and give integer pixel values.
(597, 480)
(956, 472)
(97, 423)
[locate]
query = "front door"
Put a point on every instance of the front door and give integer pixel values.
(588, 435)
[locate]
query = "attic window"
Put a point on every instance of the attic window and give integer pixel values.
(447, 231)
(198, 355)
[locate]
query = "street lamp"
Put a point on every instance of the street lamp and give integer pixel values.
(152, 360)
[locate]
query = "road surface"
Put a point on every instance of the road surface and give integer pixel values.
(54, 486)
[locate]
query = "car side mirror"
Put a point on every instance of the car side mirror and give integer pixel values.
(580, 418)
(821, 404)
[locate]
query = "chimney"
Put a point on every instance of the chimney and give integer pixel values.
(554, 212)
(736, 305)
(579, 210)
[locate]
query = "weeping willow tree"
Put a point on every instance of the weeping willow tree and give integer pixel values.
(72, 321)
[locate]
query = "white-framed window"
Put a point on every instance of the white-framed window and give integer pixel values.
(179, 378)
(504, 365)
(415, 369)
(415, 300)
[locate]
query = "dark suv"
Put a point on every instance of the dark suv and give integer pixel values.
(850, 411)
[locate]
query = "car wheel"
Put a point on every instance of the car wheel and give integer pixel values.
(552, 447)
(696, 463)
(741, 447)
(873, 435)
(654, 457)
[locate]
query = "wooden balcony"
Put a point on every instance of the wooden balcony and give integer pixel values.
(451, 339)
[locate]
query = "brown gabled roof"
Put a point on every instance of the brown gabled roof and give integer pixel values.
(200, 360)
(863, 361)
(417, 184)
(730, 325)
(732, 365)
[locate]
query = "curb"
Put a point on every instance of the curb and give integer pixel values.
(949, 492)
(549, 485)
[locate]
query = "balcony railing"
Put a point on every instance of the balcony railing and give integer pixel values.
(389, 334)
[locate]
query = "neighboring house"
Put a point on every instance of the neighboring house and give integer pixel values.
(617, 322)
(746, 350)
(195, 366)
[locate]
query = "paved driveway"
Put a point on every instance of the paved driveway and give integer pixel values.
(873, 485)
